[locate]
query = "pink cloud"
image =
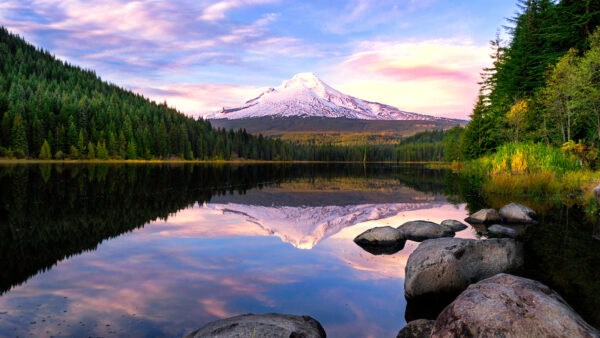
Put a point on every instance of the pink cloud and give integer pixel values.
(198, 99)
(438, 77)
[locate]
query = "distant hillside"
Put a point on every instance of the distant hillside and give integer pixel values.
(51, 109)
(305, 130)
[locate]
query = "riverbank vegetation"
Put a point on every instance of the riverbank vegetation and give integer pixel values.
(535, 128)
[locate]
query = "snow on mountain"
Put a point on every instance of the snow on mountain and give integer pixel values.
(304, 227)
(307, 96)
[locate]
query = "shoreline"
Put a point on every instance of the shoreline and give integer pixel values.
(116, 161)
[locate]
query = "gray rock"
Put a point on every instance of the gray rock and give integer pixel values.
(449, 265)
(597, 193)
(510, 306)
(484, 216)
(454, 225)
(419, 231)
(517, 213)
(380, 236)
(266, 325)
(498, 229)
(420, 328)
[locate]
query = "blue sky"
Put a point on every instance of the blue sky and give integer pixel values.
(419, 55)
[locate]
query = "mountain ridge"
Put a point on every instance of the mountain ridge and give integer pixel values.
(306, 95)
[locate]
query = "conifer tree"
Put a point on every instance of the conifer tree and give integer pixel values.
(45, 152)
(18, 137)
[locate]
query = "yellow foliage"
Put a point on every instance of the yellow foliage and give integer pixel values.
(517, 111)
(518, 162)
(501, 167)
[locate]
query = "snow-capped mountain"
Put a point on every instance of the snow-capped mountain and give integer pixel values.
(305, 95)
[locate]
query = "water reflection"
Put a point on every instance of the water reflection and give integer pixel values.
(160, 250)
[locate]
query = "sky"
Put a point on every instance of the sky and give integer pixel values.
(423, 56)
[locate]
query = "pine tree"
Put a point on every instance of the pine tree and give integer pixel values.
(45, 152)
(18, 137)
(131, 155)
(81, 143)
(91, 151)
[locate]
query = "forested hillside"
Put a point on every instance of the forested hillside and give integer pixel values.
(51, 109)
(544, 84)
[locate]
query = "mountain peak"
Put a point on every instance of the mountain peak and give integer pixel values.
(306, 95)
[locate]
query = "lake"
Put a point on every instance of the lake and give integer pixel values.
(160, 250)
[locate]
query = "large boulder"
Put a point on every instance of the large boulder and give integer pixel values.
(454, 225)
(419, 231)
(420, 328)
(484, 216)
(449, 265)
(498, 229)
(510, 306)
(265, 325)
(517, 213)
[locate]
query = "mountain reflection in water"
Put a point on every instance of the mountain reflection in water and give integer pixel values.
(159, 250)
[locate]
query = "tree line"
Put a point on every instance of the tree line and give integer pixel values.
(544, 82)
(51, 109)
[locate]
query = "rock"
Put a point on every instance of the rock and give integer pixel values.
(510, 306)
(517, 213)
(498, 229)
(420, 328)
(597, 193)
(484, 216)
(383, 250)
(449, 265)
(265, 325)
(454, 225)
(380, 236)
(419, 231)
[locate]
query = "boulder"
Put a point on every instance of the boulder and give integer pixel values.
(265, 325)
(498, 229)
(420, 328)
(449, 265)
(510, 306)
(454, 225)
(517, 213)
(484, 216)
(597, 193)
(419, 231)
(380, 236)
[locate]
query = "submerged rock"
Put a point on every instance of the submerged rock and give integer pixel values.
(383, 250)
(517, 213)
(498, 229)
(510, 306)
(454, 225)
(419, 231)
(420, 328)
(449, 265)
(484, 216)
(265, 325)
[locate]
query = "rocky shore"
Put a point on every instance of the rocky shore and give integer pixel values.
(484, 298)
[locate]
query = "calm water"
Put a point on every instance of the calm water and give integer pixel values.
(142, 250)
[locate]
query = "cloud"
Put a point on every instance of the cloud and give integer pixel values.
(218, 10)
(198, 99)
(437, 77)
